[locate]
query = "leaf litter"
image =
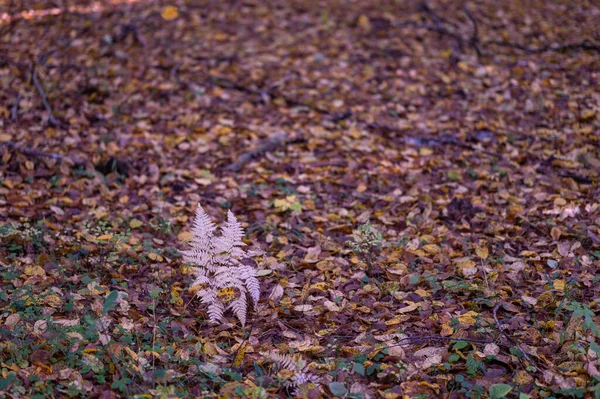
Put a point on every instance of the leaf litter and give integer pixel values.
(421, 178)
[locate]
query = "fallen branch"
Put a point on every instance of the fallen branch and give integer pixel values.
(474, 40)
(43, 154)
(439, 25)
(51, 119)
(268, 145)
(577, 178)
(266, 94)
(429, 140)
(446, 28)
(584, 45)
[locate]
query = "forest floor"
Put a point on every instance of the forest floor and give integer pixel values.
(422, 178)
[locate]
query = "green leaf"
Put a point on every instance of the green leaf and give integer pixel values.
(473, 365)
(572, 392)
(110, 301)
(121, 384)
(337, 389)
(498, 391)
(594, 346)
(460, 345)
(359, 368)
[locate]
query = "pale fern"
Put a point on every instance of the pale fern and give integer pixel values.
(296, 364)
(223, 270)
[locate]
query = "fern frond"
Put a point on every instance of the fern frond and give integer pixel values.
(200, 279)
(203, 229)
(293, 363)
(239, 306)
(286, 361)
(215, 311)
(221, 267)
(248, 274)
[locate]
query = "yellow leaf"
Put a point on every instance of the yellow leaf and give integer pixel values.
(5, 137)
(104, 237)
(175, 296)
(411, 306)
(425, 151)
(34, 271)
(447, 330)
(135, 223)
(559, 285)
(482, 252)
(468, 318)
(570, 366)
(281, 204)
(522, 377)
(364, 23)
(185, 236)
(209, 349)
(169, 13)
(226, 294)
(239, 357)
(131, 353)
(432, 249)
(155, 257)
(454, 175)
(467, 267)
(52, 301)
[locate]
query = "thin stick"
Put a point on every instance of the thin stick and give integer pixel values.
(416, 340)
(268, 145)
(14, 112)
(51, 119)
(36, 153)
(187, 304)
(474, 40)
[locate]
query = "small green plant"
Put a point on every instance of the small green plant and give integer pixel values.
(584, 312)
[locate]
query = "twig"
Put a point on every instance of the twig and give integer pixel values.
(188, 304)
(264, 94)
(442, 139)
(499, 325)
(533, 227)
(474, 40)
(268, 145)
(444, 27)
(14, 111)
(341, 117)
(439, 24)
(36, 153)
(51, 119)
(576, 177)
(173, 75)
(426, 9)
(584, 45)
(153, 335)
(427, 338)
